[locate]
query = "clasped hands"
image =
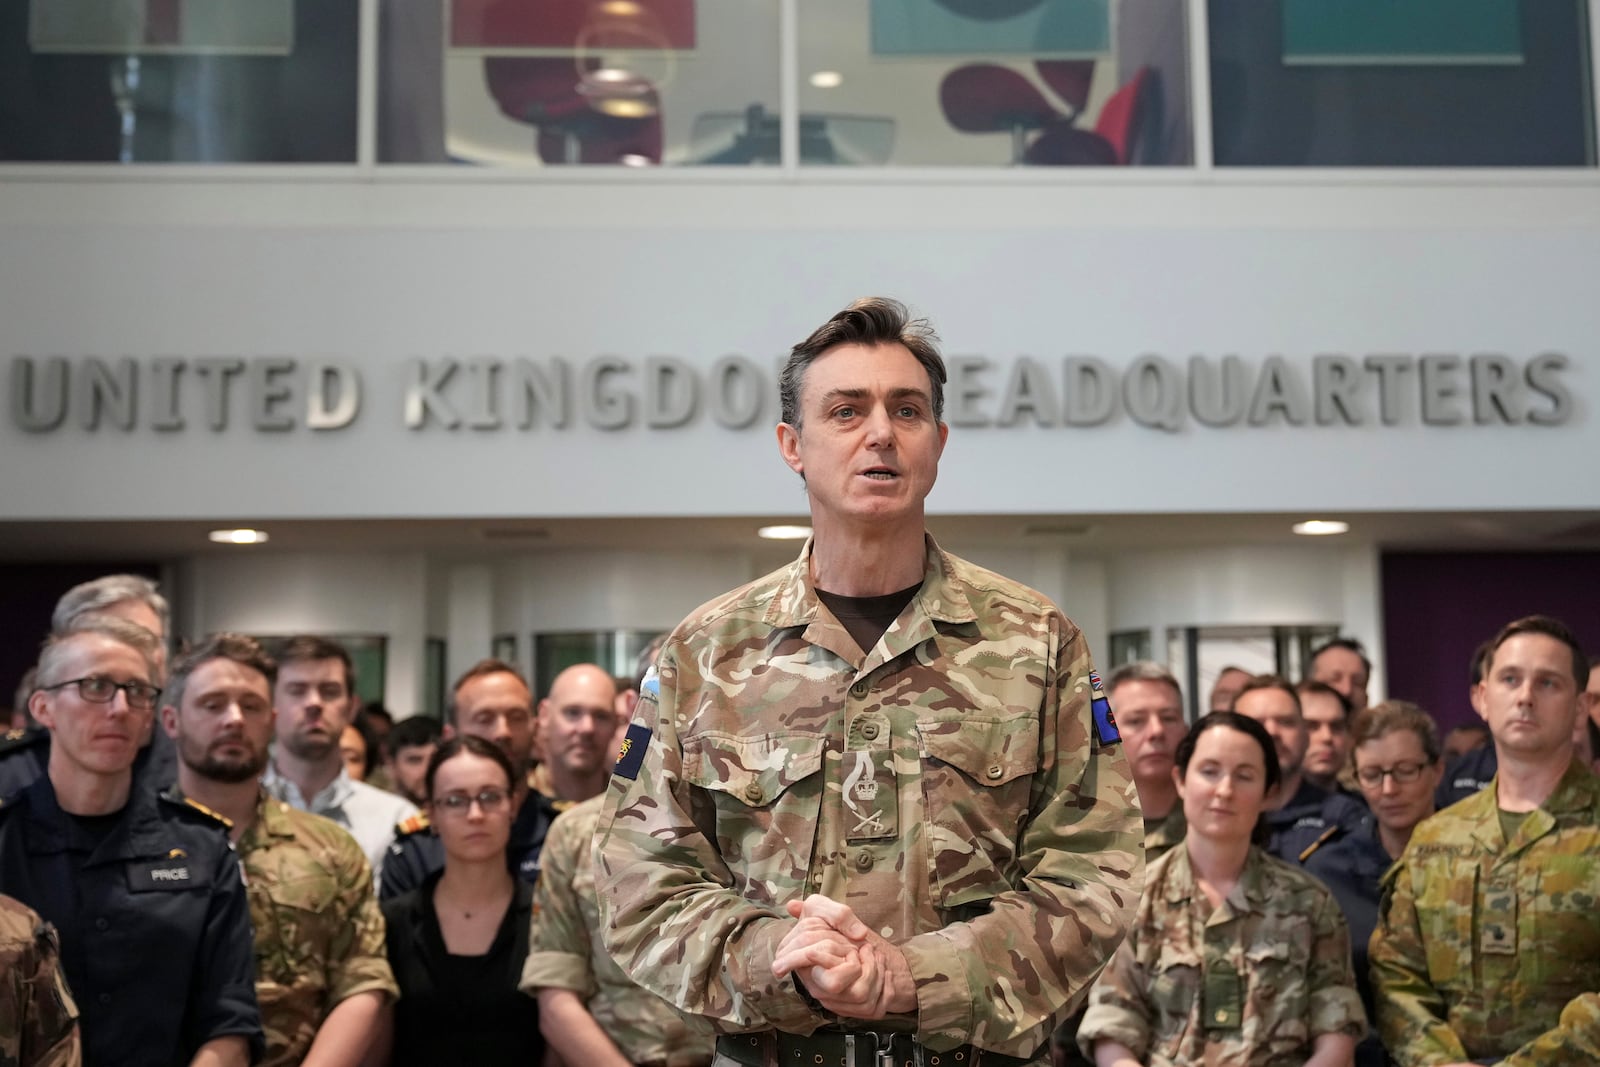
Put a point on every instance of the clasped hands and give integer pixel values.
(845, 965)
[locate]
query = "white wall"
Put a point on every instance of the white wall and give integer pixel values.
(351, 593)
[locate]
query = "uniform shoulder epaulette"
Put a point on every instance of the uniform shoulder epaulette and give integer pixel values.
(194, 805)
(411, 824)
(1327, 835)
(19, 739)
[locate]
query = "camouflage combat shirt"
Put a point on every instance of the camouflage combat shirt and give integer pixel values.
(319, 933)
(1161, 837)
(565, 952)
(1252, 984)
(951, 785)
(1488, 949)
(38, 1020)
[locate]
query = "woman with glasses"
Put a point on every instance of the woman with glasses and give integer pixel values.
(1234, 957)
(458, 941)
(1398, 768)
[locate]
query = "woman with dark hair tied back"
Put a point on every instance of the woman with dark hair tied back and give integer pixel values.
(1234, 957)
(457, 942)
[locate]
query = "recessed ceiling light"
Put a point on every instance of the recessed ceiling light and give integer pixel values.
(633, 159)
(238, 537)
(827, 79)
(784, 533)
(1321, 527)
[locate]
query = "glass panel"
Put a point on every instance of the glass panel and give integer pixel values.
(614, 650)
(159, 81)
(552, 82)
(1422, 83)
(1199, 655)
(1127, 647)
(994, 82)
(368, 657)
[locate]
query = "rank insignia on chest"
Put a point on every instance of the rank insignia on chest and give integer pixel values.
(1499, 939)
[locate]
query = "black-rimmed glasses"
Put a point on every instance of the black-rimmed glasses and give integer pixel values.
(98, 690)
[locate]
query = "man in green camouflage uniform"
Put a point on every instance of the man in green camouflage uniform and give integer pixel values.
(591, 1012)
(38, 1020)
(322, 976)
(1487, 948)
(1279, 931)
(870, 806)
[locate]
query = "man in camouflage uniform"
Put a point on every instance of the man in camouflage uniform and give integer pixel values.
(1151, 721)
(38, 1020)
(590, 1012)
(322, 977)
(870, 804)
(1487, 948)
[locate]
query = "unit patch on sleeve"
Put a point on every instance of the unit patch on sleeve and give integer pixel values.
(1105, 723)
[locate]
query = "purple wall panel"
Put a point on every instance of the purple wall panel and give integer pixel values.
(1438, 606)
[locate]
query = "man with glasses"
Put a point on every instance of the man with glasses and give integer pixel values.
(134, 598)
(491, 700)
(322, 976)
(1487, 946)
(1397, 768)
(145, 889)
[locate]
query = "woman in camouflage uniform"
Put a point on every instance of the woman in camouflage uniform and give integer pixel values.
(1234, 957)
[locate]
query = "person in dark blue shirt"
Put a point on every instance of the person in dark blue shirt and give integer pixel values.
(145, 890)
(1397, 768)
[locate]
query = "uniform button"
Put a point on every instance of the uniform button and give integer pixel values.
(101, 923)
(870, 731)
(104, 998)
(752, 792)
(996, 771)
(859, 689)
(863, 861)
(1222, 1015)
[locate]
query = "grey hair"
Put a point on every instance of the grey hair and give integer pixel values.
(1143, 671)
(58, 644)
(101, 593)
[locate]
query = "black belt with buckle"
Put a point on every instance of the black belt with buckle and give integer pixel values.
(852, 1048)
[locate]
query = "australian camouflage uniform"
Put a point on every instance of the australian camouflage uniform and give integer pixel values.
(1489, 949)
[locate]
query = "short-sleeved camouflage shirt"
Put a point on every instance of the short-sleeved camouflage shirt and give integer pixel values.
(1251, 983)
(957, 785)
(319, 933)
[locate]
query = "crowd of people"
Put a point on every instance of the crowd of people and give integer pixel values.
(193, 870)
(876, 809)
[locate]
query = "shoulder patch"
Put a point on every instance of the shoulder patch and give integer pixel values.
(412, 824)
(1327, 835)
(634, 746)
(1105, 722)
(19, 739)
(190, 802)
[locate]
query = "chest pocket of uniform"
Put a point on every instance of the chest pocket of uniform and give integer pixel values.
(296, 931)
(1445, 909)
(976, 779)
(766, 793)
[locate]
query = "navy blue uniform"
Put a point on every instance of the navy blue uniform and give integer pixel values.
(417, 851)
(1470, 774)
(1308, 818)
(155, 925)
(1351, 866)
(25, 758)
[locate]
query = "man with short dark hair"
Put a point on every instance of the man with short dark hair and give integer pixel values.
(1301, 815)
(1343, 664)
(490, 700)
(1327, 716)
(1223, 691)
(1487, 948)
(871, 806)
(411, 746)
(1473, 772)
(146, 891)
(322, 976)
(314, 699)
